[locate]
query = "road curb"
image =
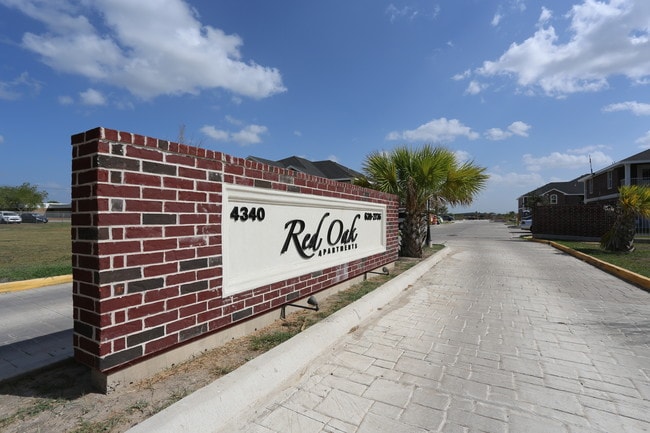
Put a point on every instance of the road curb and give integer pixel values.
(624, 274)
(16, 286)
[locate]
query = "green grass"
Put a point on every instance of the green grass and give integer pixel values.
(34, 251)
(637, 261)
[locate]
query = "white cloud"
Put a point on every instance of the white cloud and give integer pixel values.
(644, 142)
(566, 161)
(462, 156)
(66, 100)
(395, 13)
(496, 19)
(233, 120)
(462, 76)
(15, 89)
(638, 108)
(2, 139)
(145, 48)
(332, 158)
(436, 131)
(92, 97)
(250, 134)
(215, 134)
(516, 128)
(297, 133)
(587, 149)
(474, 88)
(603, 42)
(516, 179)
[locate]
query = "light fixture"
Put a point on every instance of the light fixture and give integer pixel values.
(311, 301)
(384, 271)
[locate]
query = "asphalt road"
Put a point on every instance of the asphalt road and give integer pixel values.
(35, 329)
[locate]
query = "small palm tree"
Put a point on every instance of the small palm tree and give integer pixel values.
(416, 175)
(633, 202)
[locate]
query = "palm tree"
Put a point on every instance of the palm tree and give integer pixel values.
(416, 175)
(633, 202)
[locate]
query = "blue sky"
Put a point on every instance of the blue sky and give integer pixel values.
(531, 90)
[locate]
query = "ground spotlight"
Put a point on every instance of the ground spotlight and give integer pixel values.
(311, 301)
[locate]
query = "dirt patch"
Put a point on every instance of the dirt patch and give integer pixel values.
(61, 398)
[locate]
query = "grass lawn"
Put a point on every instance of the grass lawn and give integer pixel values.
(637, 261)
(34, 251)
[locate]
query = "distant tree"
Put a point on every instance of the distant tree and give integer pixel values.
(633, 202)
(418, 175)
(21, 198)
(182, 138)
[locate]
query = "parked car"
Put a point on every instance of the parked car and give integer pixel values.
(33, 218)
(526, 223)
(8, 217)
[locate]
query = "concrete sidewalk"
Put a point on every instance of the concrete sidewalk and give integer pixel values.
(489, 340)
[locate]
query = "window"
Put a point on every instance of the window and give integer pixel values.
(610, 179)
(553, 199)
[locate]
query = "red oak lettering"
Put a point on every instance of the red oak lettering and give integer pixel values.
(308, 244)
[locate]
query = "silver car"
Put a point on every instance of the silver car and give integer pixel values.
(526, 223)
(8, 217)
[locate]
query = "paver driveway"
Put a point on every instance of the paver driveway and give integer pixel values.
(503, 335)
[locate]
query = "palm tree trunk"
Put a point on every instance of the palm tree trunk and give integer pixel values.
(621, 235)
(412, 236)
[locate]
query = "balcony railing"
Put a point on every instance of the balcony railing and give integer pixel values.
(638, 181)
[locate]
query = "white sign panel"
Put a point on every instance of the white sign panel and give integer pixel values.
(270, 236)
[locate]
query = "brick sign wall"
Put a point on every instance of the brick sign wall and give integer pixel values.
(147, 238)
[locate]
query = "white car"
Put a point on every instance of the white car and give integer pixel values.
(526, 223)
(8, 217)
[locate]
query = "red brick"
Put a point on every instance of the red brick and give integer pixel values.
(119, 330)
(117, 219)
(144, 259)
(192, 196)
(192, 242)
(158, 194)
(144, 232)
(119, 344)
(181, 301)
(159, 244)
(113, 304)
(180, 159)
(162, 318)
(172, 256)
(146, 310)
(180, 278)
(176, 183)
(193, 218)
(160, 344)
(158, 294)
(141, 179)
(193, 310)
(162, 269)
(192, 173)
(179, 325)
(178, 231)
(141, 153)
(121, 247)
(234, 169)
(219, 323)
(179, 207)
